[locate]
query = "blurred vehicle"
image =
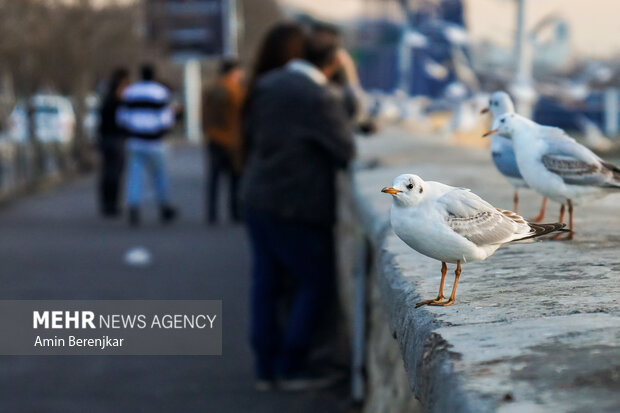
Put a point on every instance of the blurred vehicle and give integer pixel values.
(54, 118)
(90, 124)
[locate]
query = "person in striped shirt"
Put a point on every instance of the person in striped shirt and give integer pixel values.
(146, 117)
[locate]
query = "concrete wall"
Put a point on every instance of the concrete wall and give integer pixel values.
(535, 328)
(387, 387)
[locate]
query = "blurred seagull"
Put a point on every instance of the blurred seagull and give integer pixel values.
(453, 225)
(556, 166)
(503, 153)
(593, 137)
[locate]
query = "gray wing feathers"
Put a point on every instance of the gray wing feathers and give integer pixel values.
(577, 172)
(475, 219)
(577, 165)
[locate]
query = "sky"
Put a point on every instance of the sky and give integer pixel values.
(594, 24)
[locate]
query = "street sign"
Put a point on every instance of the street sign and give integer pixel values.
(190, 29)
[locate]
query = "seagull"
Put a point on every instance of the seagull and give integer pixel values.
(453, 225)
(556, 166)
(503, 153)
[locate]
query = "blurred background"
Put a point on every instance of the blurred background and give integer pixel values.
(424, 66)
(559, 59)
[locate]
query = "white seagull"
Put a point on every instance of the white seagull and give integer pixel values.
(504, 154)
(453, 225)
(556, 166)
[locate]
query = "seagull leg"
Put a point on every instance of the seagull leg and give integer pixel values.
(515, 202)
(457, 274)
(541, 214)
(440, 296)
(571, 233)
(561, 221)
(570, 220)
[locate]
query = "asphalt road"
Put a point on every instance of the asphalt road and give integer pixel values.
(54, 246)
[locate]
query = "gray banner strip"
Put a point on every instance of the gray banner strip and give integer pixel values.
(110, 327)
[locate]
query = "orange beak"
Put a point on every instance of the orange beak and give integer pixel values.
(489, 133)
(483, 111)
(390, 190)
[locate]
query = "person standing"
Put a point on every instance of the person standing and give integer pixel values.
(281, 44)
(112, 146)
(299, 136)
(222, 129)
(146, 116)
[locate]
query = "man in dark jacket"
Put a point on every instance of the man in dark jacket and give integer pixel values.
(112, 146)
(298, 137)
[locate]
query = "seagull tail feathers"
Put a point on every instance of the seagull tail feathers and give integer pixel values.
(543, 229)
(615, 174)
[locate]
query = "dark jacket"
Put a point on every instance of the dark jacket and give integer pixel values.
(298, 136)
(107, 118)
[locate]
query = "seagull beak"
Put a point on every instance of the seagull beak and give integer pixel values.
(390, 190)
(483, 111)
(489, 133)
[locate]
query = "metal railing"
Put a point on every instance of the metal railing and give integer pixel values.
(24, 165)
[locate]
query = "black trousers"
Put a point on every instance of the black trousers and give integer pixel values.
(218, 164)
(112, 150)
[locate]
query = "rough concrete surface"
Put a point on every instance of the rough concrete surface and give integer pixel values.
(536, 327)
(386, 387)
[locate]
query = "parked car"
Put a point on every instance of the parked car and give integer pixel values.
(54, 118)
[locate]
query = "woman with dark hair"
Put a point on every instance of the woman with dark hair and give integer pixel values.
(111, 145)
(282, 43)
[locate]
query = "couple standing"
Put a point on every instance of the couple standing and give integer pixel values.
(134, 117)
(297, 135)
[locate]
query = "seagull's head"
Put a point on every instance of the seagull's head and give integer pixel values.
(499, 103)
(406, 190)
(504, 125)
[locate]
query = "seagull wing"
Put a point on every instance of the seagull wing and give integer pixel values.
(504, 158)
(475, 219)
(577, 165)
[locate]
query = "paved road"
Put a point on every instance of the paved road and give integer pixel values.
(53, 246)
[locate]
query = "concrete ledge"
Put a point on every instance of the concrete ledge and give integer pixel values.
(535, 328)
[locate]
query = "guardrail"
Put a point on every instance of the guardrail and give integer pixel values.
(24, 165)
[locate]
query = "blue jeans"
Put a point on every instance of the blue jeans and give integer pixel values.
(150, 156)
(287, 249)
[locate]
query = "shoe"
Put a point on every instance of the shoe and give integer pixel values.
(167, 214)
(265, 385)
(309, 381)
(134, 217)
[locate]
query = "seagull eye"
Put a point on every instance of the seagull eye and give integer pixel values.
(409, 186)
(503, 120)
